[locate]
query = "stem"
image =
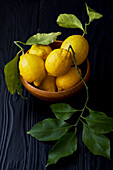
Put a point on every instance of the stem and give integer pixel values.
(85, 30)
(85, 105)
(16, 42)
(20, 42)
(81, 120)
(19, 52)
(82, 117)
(76, 66)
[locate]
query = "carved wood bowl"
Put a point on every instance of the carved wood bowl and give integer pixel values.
(56, 96)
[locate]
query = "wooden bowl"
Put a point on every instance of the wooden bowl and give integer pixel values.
(56, 96)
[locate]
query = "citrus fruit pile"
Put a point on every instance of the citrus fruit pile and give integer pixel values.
(53, 70)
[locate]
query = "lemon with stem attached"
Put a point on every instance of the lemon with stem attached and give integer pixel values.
(79, 45)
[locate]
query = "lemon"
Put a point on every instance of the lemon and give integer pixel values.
(40, 50)
(48, 84)
(32, 68)
(68, 80)
(58, 62)
(79, 45)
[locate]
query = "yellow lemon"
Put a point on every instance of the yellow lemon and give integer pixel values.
(40, 50)
(32, 68)
(58, 62)
(79, 45)
(48, 84)
(68, 80)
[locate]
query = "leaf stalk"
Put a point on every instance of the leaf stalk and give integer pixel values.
(85, 30)
(22, 49)
(85, 105)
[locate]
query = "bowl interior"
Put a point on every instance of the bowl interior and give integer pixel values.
(55, 96)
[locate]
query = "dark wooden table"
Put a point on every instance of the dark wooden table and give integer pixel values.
(19, 19)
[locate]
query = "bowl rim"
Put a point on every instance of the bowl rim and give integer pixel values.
(58, 95)
(79, 84)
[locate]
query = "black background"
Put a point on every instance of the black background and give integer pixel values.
(19, 19)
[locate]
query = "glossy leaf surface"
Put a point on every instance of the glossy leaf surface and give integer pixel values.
(62, 110)
(97, 143)
(65, 146)
(99, 121)
(49, 129)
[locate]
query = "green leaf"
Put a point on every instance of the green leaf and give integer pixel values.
(92, 14)
(12, 76)
(62, 110)
(43, 39)
(69, 21)
(97, 143)
(99, 121)
(65, 146)
(49, 129)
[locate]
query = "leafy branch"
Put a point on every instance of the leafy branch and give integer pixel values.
(11, 71)
(95, 126)
(71, 21)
